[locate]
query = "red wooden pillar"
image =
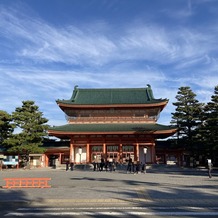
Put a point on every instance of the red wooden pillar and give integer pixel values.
(104, 148)
(121, 153)
(71, 150)
(46, 160)
(137, 152)
(60, 158)
(87, 153)
(153, 155)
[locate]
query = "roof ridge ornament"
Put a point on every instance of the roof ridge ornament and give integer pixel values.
(75, 91)
(149, 92)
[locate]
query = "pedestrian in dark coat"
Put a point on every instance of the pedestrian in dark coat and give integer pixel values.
(210, 166)
(143, 167)
(94, 164)
(67, 165)
(137, 167)
(129, 166)
(71, 166)
(102, 164)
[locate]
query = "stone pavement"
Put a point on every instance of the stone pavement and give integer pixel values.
(162, 186)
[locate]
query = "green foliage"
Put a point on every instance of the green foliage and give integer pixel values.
(6, 128)
(209, 129)
(187, 117)
(32, 125)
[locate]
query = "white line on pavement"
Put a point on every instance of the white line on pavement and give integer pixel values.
(115, 208)
(107, 213)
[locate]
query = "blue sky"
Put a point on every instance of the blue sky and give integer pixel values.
(49, 46)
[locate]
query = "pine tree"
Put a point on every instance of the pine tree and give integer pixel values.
(210, 125)
(187, 118)
(32, 126)
(6, 127)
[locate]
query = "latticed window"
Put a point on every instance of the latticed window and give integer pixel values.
(112, 148)
(128, 148)
(97, 148)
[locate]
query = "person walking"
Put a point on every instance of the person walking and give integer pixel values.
(143, 169)
(71, 166)
(129, 166)
(137, 168)
(102, 164)
(67, 165)
(94, 165)
(210, 166)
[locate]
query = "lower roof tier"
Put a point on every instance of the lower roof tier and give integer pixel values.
(158, 130)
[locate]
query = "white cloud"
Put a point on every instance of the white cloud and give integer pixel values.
(41, 62)
(74, 45)
(181, 13)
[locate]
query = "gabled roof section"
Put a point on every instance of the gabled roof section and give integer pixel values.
(112, 96)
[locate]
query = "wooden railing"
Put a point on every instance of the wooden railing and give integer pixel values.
(27, 183)
(111, 119)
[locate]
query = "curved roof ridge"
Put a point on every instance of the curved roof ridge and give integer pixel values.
(107, 96)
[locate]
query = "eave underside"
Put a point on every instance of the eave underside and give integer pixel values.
(155, 130)
(64, 105)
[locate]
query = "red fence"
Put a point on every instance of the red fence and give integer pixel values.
(27, 183)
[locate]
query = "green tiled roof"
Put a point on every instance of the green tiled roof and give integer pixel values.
(92, 128)
(112, 96)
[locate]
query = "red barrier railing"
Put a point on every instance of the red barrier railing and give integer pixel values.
(27, 183)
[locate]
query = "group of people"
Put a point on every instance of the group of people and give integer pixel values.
(69, 166)
(110, 165)
(132, 167)
(135, 167)
(107, 165)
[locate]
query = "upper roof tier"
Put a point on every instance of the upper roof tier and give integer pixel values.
(112, 96)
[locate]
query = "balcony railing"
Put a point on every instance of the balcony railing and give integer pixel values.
(111, 119)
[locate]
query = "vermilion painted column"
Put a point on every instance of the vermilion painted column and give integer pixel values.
(104, 148)
(153, 155)
(137, 151)
(87, 153)
(121, 153)
(71, 150)
(60, 158)
(46, 161)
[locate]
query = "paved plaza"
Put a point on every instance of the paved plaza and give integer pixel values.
(162, 186)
